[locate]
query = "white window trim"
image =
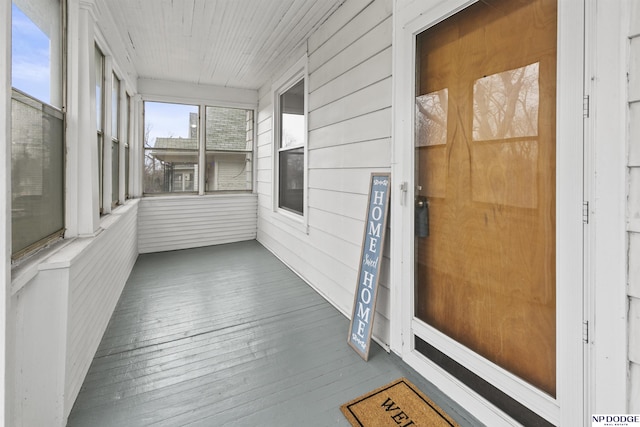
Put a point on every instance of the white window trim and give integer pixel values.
(289, 78)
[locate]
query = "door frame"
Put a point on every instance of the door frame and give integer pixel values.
(411, 18)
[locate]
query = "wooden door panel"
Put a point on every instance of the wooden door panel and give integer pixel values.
(485, 157)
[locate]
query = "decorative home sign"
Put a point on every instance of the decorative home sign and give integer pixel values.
(364, 303)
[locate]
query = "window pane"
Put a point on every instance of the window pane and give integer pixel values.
(229, 129)
(115, 108)
(170, 171)
(292, 180)
(126, 172)
(292, 120)
(228, 171)
(99, 59)
(170, 126)
(37, 169)
(100, 170)
(36, 49)
(125, 137)
(115, 172)
(171, 148)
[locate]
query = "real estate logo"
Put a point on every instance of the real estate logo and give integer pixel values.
(615, 420)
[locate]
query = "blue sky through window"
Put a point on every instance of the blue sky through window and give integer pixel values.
(166, 120)
(31, 57)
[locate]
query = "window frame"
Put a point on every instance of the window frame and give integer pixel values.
(100, 120)
(197, 150)
(127, 129)
(116, 132)
(199, 178)
(53, 108)
(250, 129)
(291, 77)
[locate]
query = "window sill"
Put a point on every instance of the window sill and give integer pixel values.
(61, 253)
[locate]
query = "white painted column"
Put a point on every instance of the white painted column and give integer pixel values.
(82, 216)
(5, 206)
(607, 66)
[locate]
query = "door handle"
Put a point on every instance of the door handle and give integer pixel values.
(421, 225)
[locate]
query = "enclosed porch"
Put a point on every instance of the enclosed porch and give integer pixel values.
(229, 335)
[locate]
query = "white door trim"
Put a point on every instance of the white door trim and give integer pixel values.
(411, 18)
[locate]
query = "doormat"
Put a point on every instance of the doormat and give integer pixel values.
(399, 403)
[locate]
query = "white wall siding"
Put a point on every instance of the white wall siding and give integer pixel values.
(62, 307)
(96, 280)
(633, 211)
(349, 123)
(180, 222)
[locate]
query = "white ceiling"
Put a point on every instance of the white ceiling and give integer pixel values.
(232, 43)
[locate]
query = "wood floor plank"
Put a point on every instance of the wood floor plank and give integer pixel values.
(228, 335)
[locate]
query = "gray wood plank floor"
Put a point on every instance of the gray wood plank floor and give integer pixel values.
(228, 335)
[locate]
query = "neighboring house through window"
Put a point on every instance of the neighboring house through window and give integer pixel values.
(173, 151)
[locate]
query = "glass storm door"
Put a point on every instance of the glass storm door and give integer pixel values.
(485, 184)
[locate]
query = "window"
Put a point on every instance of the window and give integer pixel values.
(115, 140)
(127, 135)
(99, 69)
(37, 134)
(291, 139)
(170, 148)
(229, 147)
(173, 154)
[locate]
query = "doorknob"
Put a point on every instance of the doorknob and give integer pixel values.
(421, 209)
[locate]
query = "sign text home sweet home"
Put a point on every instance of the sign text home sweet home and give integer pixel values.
(364, 304)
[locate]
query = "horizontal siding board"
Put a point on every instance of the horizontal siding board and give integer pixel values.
(360, 25)
(364, 48)
(170, 223)
(370, 126)
(342, 180)
(634, 70)
(634, 330)
(634, 267)
(350, 229)
(369, 99)
(349, 10)
(634, 134)
(349, 205)
(374, 69)
(369, 154)
(264, 151)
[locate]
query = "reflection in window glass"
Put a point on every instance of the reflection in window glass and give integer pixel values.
(505, 116)
(431, 118)
(170, 148)
(291, 154)
(505, 105)
(291, 180)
